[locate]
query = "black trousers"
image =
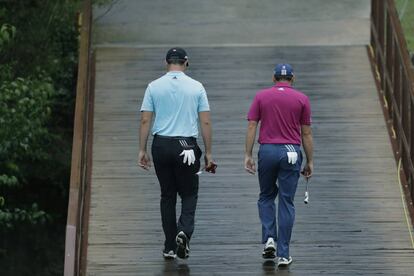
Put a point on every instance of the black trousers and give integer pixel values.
(176, 177)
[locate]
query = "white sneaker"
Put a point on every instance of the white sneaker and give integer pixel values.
(269, 249)
(183, 249)
(169, 255)
(284, 262)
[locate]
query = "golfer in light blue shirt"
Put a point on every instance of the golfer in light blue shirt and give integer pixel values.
(179, 104)
(176, 99)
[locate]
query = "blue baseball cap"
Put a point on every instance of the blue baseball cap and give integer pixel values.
(283, 70)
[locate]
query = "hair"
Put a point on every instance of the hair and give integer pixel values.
(283, 78)
(176, 61)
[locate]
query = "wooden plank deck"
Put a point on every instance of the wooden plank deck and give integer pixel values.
(354, 224)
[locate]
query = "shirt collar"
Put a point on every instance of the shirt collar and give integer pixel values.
(175, 73)
(283, 84)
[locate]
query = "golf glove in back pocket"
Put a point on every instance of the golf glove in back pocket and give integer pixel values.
(189, 156)
(291, 154)
(187, 153)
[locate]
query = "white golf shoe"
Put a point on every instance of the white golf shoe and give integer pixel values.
(170, 255)
(284, 261)
(183, 242)
(269, 249)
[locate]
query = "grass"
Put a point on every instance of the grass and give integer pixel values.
(406, 9)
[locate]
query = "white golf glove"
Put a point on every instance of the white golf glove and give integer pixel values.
(189, 156)
(292, 157)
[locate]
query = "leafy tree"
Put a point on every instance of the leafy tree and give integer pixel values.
(7, 33)
(24, 111)
(38, 57)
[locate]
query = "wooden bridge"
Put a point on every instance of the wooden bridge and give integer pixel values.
(357, 221)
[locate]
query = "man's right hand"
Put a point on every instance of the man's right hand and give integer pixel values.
(249, 164)
(308, 170)
(144, 161)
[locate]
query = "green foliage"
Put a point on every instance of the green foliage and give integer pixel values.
(24, 111)
(9, 181)
(7, 33)
(8, 218)
(405, 9)
(38, 57)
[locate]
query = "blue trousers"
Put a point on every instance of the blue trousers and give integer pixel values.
(274, 166)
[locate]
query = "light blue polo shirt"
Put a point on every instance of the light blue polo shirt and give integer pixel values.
(176, 99)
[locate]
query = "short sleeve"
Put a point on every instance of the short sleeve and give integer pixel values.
(203, 101)
(254, 111)
(147, 102)
(306, 113)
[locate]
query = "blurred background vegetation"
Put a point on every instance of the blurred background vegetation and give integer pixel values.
(405, 10)
(38, 57)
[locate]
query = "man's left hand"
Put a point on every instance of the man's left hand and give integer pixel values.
(210, 165)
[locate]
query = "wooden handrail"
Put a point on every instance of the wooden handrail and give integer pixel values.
(395, 80)
(78, 177)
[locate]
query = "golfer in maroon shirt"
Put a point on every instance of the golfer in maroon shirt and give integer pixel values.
(285, 118)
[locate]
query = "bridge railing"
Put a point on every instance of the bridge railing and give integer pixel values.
(78, 206)
(395, 79)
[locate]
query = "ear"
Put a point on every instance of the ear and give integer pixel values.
(273, 78)
(293, 79)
